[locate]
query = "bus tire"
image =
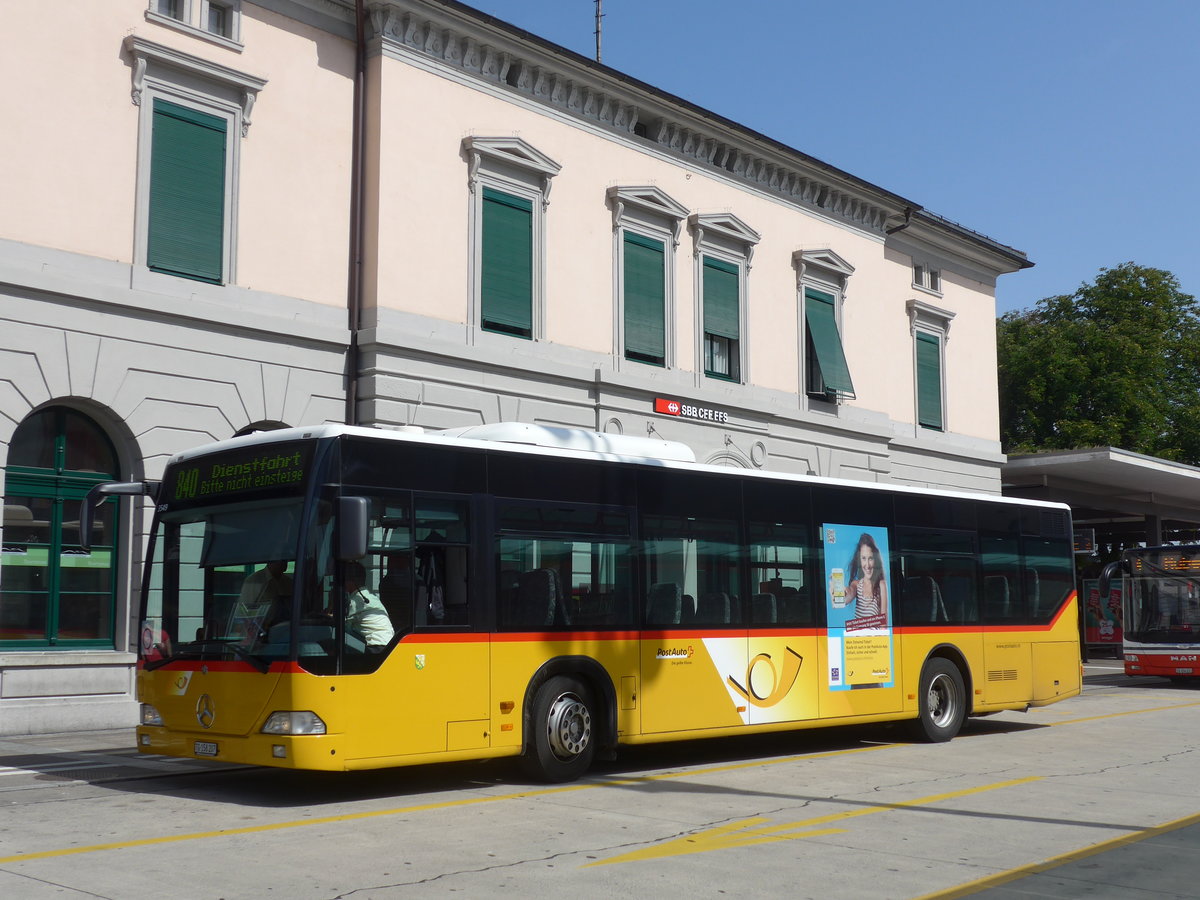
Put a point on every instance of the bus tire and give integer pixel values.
(563, 740)
(941, 702)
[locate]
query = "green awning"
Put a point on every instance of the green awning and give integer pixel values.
(827, 343)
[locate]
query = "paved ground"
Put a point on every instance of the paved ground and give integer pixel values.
(1094, 797)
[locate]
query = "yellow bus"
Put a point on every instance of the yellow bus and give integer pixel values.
(346, 598)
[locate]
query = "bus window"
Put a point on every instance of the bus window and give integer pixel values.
(699, 556)
(1049, 578)
(939, 577)
(781, 596)
(1003, 580)
(441, 539)
(562, 565)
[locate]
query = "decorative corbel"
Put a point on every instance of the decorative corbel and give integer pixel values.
(473, 170)
(248, 98)
(618, 211)
(139, 79)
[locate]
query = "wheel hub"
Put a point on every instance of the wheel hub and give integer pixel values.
(568, 726)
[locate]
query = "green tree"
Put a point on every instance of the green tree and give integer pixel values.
(1116, 364)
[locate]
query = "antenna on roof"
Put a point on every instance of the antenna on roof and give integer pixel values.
(599, 16)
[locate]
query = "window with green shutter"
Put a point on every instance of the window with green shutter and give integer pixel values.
(722, 319)
(645, 299)
(506, 283)
(827, 373)
(186, 230)
(929, 381)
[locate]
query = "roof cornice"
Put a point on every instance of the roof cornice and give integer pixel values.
(488, 49)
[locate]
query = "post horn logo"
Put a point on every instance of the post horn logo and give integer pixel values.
(205, 714)
(781, 682)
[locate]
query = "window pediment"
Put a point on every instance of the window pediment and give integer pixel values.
(147, 53)
(725, 225)
(510, 152)
(825, 260)
(929, 316)
(648, 199)
(652, 203)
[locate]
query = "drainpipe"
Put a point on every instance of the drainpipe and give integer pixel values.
(908, 214)
(354, 300)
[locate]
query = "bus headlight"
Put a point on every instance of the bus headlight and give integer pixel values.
(150, 715)
(294, 722)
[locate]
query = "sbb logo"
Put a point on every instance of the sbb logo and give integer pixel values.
(670, 407)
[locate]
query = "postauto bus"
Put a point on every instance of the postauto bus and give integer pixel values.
(346, 598)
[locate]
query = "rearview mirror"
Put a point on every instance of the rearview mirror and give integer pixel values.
(354, 514)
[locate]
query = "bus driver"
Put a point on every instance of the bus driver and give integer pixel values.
(365, 614)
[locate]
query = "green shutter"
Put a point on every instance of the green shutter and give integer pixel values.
(720, 298)
(645, 298)
(929, 380)
(827, 342)
(187, 193)
(506, 291)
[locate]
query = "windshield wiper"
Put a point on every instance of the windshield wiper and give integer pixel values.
(257, 661)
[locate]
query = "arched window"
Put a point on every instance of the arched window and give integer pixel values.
(52, 593)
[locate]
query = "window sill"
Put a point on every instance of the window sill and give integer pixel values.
(925, 290)
(176, 25)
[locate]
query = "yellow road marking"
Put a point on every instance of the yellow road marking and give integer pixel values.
(744, 834)
(427, 807)
(991, 881)
(1128, 712)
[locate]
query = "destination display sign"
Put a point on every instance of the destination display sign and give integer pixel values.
(264, 467)
(670, 407)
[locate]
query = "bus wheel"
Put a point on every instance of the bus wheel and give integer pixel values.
(941, 700)
(563, 742)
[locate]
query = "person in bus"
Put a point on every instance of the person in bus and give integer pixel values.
(365, 612)
(867, 587)
(268, 585)
(265, 599)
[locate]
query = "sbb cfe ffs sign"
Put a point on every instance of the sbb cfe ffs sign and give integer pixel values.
(670, 407)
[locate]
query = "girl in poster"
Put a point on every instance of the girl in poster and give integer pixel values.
(867, 586)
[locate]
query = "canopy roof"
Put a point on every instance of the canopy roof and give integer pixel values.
(1127, 497)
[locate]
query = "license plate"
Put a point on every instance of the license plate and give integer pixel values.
(1183, 671)
(205, 748)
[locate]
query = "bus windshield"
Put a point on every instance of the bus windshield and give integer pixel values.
(222, 584)
(1164, 601)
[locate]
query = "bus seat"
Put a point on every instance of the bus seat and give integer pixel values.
(712, 608)
(664, 603)
(923, 600)
(996, 601)
(764, 610)
(537, 598)
(796, 608)
(1029, 576)
(959, 598)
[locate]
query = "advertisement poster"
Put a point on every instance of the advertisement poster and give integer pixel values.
(858, 606)
(1103, 614)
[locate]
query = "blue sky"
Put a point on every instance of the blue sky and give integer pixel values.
(1069, 129)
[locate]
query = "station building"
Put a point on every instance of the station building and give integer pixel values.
(223, 215)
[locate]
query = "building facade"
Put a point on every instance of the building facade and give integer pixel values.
(245, 215)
